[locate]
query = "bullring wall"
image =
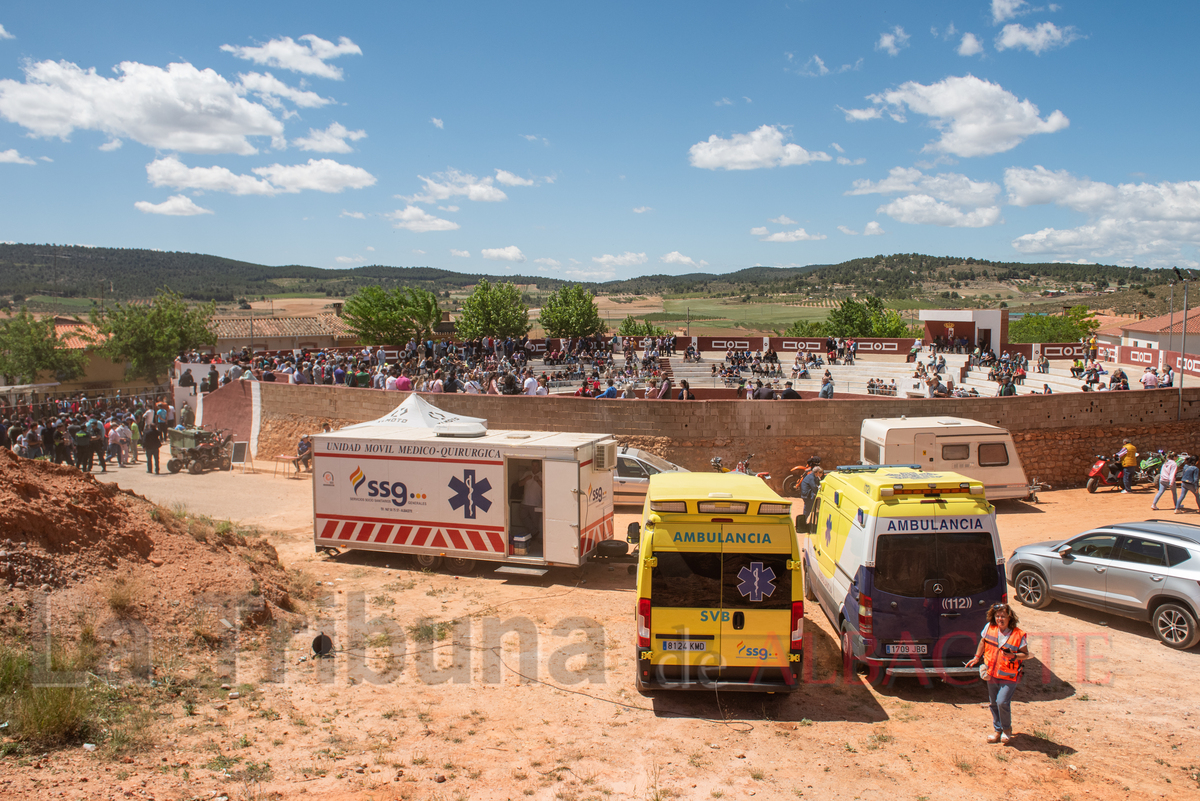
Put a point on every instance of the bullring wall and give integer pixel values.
(1056, 435)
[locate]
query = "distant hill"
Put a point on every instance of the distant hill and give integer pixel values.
(127, 273)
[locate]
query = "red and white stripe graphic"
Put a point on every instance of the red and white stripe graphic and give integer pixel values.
(602, 529)
(348, 532)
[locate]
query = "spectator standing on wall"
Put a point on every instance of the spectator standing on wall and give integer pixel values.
(826, 388)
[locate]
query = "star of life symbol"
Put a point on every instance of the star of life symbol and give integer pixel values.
(470, 494)
(757, 582)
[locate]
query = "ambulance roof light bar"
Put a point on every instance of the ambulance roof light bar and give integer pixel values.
(871, 468)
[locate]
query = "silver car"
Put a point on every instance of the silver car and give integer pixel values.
(632, 476)
(1146, 571)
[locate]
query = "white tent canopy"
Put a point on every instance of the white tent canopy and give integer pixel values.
(416, 412)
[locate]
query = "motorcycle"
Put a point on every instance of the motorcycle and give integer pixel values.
(795, 477)
(741, 467)
(1107, 471)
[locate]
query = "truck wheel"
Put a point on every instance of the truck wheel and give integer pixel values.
(849, 663)
(173, 466)
(809, 595)
(1174, 626)
(791, 486)
(459, 566)
(1032, 590)
(195, 468)
(1092, 484)
(426, 561)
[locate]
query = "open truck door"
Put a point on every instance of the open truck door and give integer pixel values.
(561, 512)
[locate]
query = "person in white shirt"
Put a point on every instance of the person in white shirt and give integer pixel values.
(1166, 481)
(390, 383)
(473, 386)
(542, 388)
(530, 386)
(1149, 379)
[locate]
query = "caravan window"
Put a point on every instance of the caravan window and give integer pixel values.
(956, 453)
(871, 452)
(993, 454)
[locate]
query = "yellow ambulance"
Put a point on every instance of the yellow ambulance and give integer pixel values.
(905, 564)
(720, 591)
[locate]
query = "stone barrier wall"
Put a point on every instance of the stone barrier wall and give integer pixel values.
(1056, 436)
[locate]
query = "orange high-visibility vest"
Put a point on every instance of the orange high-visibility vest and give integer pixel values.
(1002, 666)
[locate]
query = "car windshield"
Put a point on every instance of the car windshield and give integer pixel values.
(661, 464)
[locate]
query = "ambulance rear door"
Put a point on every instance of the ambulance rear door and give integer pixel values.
(560, 518)
(756, 598)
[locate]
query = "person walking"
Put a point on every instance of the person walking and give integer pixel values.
(1189, 479)
(809, 488)
(1166, 481)
(1002, 651)
(151, 442)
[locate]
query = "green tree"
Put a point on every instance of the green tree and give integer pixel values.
(29, 347)
(806, 328)
(571, 312)
(381, 317)
(493, 311)
(149, 338)
(1052, 328)
(633, 327)
(850, 319)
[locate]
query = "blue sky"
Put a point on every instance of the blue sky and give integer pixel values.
(603, 141)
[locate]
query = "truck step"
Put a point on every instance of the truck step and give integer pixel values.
(522, 571)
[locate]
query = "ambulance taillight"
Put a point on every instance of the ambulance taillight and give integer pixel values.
(865, 625)
(797, 625)
(643, 623)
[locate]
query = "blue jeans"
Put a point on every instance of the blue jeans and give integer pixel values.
(1127, 476)
(1183, 495)
(1163, 488)
(1000, 694)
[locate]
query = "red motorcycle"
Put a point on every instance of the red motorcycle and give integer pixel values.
(1107, 471)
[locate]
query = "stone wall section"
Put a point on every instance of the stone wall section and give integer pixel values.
(1057, 436)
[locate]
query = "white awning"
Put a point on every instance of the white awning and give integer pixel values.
(416, 412)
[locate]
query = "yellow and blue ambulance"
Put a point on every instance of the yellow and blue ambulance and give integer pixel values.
(719, 585)
(905, 564)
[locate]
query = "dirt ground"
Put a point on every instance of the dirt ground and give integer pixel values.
(425, 697)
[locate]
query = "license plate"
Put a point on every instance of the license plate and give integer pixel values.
(683, 645)
(906, 649)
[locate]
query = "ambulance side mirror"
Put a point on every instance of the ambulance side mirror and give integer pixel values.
(633, 533)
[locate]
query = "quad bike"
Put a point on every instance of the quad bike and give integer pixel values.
(198, 450)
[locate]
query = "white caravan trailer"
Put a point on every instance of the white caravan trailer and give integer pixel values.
(954, 444)
(456, 492)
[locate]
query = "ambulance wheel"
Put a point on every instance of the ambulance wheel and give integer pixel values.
(195, 468)
(173, 466)
(1031, 589)
(459, 566)
(849, 663)
(426, 561)
(809, 594)
(1092, 484)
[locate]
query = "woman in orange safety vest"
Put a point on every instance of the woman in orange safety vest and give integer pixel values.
(1003, 649)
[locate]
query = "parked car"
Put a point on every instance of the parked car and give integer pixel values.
(632, 476)
(1147, 571)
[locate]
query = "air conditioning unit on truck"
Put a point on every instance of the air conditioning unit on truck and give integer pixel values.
(443, 488)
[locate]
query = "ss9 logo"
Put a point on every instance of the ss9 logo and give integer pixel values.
(382, 489)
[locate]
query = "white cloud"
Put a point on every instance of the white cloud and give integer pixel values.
(174, 206)
(761, 230)
(535, 138)
(893, 42)
(642, 209)
(437, 122)
(322, 175)
(782, 219)
(462, 254)
(861, 114)
(450, 209)
(270, 89)
(11, 156)
(307, 56)
(724, 101)
(1147, 222)
(604, 274)
(850, 162)
(926, 210)
(5, 34)
(553, 264)
(509, 179)
(873, 229)
(420, 221)
(510, 253)
(1007, 9)
(349, 259)
(180, 108)
(951, 187)
(626, 259)
(111, 145)
(46, 159)
(837, 147)
(1046, 36)
(675, 257)
(418, 251)
(846, 230)
(976, 117)
(760, 148)
(453, 183)
(357, 215)
(799, 235)
(371, 249)
(815, 66)
(331, 140)
(970, 45)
